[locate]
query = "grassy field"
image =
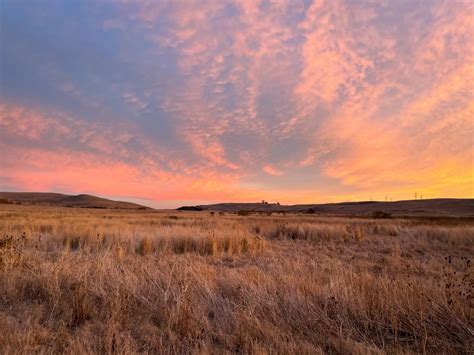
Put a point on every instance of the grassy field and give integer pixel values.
(84, 280)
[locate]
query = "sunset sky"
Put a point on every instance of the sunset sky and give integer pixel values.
(188, 102)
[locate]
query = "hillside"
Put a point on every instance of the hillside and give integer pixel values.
(61, 200)
(446, 207)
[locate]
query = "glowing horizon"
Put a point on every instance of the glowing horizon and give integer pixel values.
(217, 101)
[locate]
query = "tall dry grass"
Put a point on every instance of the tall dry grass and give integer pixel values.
(98, 281)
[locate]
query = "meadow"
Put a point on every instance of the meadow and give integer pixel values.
(114, 281)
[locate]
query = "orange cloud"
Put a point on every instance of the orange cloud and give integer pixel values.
(426, 144)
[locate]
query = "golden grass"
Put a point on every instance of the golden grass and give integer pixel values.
(99, 281)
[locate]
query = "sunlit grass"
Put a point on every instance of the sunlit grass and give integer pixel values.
(109, 281)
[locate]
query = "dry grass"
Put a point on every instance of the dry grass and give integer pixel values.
(104, 281)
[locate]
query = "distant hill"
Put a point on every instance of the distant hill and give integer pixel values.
(61, 200)
(443, 207)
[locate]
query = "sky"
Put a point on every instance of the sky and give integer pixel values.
(189, 102)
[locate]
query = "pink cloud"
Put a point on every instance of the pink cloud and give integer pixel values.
(269, 169)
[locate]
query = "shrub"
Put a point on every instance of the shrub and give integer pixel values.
(381, 214)
(243, 213)
(190, 208)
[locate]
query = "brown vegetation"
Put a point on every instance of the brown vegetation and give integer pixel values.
(79, 280)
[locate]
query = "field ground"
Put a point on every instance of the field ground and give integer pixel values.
(109, 281)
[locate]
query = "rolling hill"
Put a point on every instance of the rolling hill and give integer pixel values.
(443, 207)
(61, 200)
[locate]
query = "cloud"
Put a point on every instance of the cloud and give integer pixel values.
(269, 169)
(397, 140)
(193, 100)
(66, 154)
